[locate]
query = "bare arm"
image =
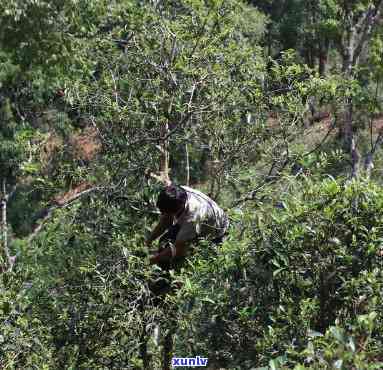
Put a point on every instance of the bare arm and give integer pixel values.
(166, 254)
(165, 222)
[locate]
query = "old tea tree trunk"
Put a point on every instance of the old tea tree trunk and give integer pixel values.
(357, 30)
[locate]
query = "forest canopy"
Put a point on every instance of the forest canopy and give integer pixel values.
(271, 108)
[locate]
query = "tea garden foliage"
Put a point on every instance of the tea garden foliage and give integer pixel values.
(297, 284)
(302, 284)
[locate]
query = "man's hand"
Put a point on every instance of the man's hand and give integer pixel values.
(167, 254)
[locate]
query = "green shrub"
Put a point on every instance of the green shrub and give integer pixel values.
(296, 271)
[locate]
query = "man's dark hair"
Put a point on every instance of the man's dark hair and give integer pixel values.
(171, 199)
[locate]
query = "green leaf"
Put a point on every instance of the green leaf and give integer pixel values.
(278, 271)
(206, 299)
(338, 364)
(314, 334)
(337, 333)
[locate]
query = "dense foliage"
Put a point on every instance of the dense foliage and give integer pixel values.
(266, 106)
(296, 273)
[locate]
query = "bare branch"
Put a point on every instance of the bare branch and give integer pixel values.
(269, 179)
(370, 20)
(333, 125)
(47, 213)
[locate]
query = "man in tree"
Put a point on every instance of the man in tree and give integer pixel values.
(187, 215)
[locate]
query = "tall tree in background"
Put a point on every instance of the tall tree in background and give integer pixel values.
(306, 26)
(357, 22)
(348, 26)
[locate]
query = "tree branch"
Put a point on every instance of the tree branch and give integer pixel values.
(269, 179)
(369, 21)
(47, 213)
(323, 140)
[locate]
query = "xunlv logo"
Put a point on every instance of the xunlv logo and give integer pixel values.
(189, 361)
